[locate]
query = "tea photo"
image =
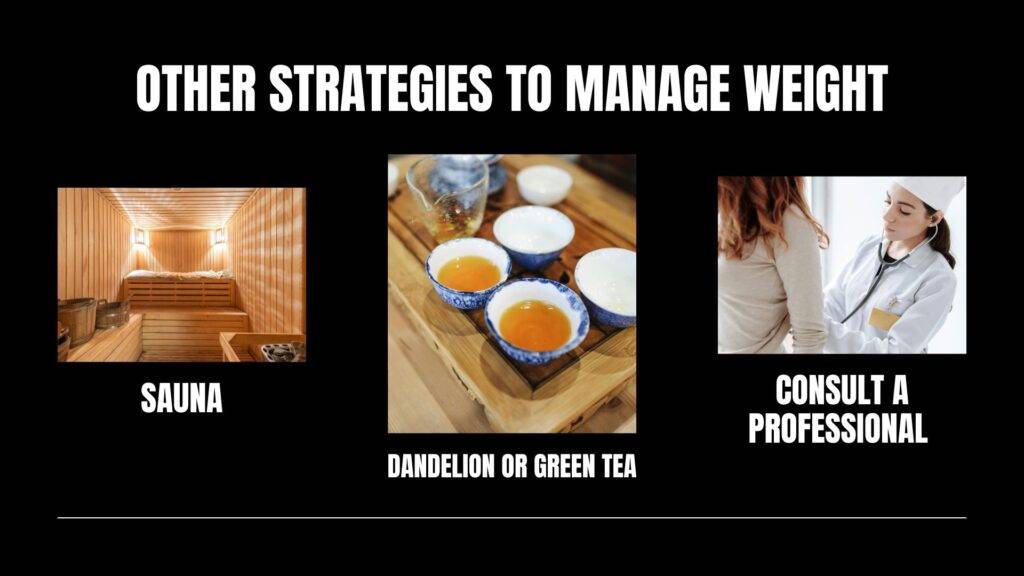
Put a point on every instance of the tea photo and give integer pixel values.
(511, 293)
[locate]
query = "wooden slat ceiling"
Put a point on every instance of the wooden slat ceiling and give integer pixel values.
(178, 208)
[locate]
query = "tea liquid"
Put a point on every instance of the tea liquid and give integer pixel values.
(535, 325)
(455, 217)
(469, 274)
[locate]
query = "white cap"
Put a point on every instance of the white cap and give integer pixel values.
(935, 191)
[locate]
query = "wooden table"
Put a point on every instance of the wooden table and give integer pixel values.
(439, 360)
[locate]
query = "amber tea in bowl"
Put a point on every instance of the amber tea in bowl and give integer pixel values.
(466, 271)
(536, 320)
(469, 274)
(535, 325)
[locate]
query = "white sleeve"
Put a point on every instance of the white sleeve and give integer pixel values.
(835, 293)
(910, 334)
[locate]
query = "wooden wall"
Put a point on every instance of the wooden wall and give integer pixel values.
(94, 249)
(180, 251)
(265, 249)
(267, 253)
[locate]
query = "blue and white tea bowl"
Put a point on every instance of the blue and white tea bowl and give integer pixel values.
(607, 280)
(458, 248)
(545, 290)
(534, 235)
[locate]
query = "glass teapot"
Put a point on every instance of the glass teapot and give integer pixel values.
(452, 193)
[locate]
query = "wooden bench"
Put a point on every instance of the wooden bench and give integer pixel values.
(176, 334)
(185, 292)
(120, 344)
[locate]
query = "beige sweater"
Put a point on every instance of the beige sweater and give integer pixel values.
(760, 298)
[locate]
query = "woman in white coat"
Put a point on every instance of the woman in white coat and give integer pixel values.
(896, 292)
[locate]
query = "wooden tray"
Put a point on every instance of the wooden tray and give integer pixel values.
(517, 397)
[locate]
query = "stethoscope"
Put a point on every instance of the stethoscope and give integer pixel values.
(883, 266)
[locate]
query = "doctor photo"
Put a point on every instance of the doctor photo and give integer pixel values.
(896, 292)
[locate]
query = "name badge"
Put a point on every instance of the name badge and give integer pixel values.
(882, 320)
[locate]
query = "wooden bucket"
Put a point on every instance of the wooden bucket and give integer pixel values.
(63, 342)
(79, 316)
(111, 314)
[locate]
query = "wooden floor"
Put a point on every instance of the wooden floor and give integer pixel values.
(423, 396)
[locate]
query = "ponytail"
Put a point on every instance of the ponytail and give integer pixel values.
(942, 240)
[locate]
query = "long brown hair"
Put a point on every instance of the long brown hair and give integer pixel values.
(942, 241)
(752, 208)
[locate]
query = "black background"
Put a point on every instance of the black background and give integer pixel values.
(311, 440)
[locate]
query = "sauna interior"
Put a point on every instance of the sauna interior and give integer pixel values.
(207, 274)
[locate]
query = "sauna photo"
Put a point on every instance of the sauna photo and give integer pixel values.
(512, 293)
(181, 275)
